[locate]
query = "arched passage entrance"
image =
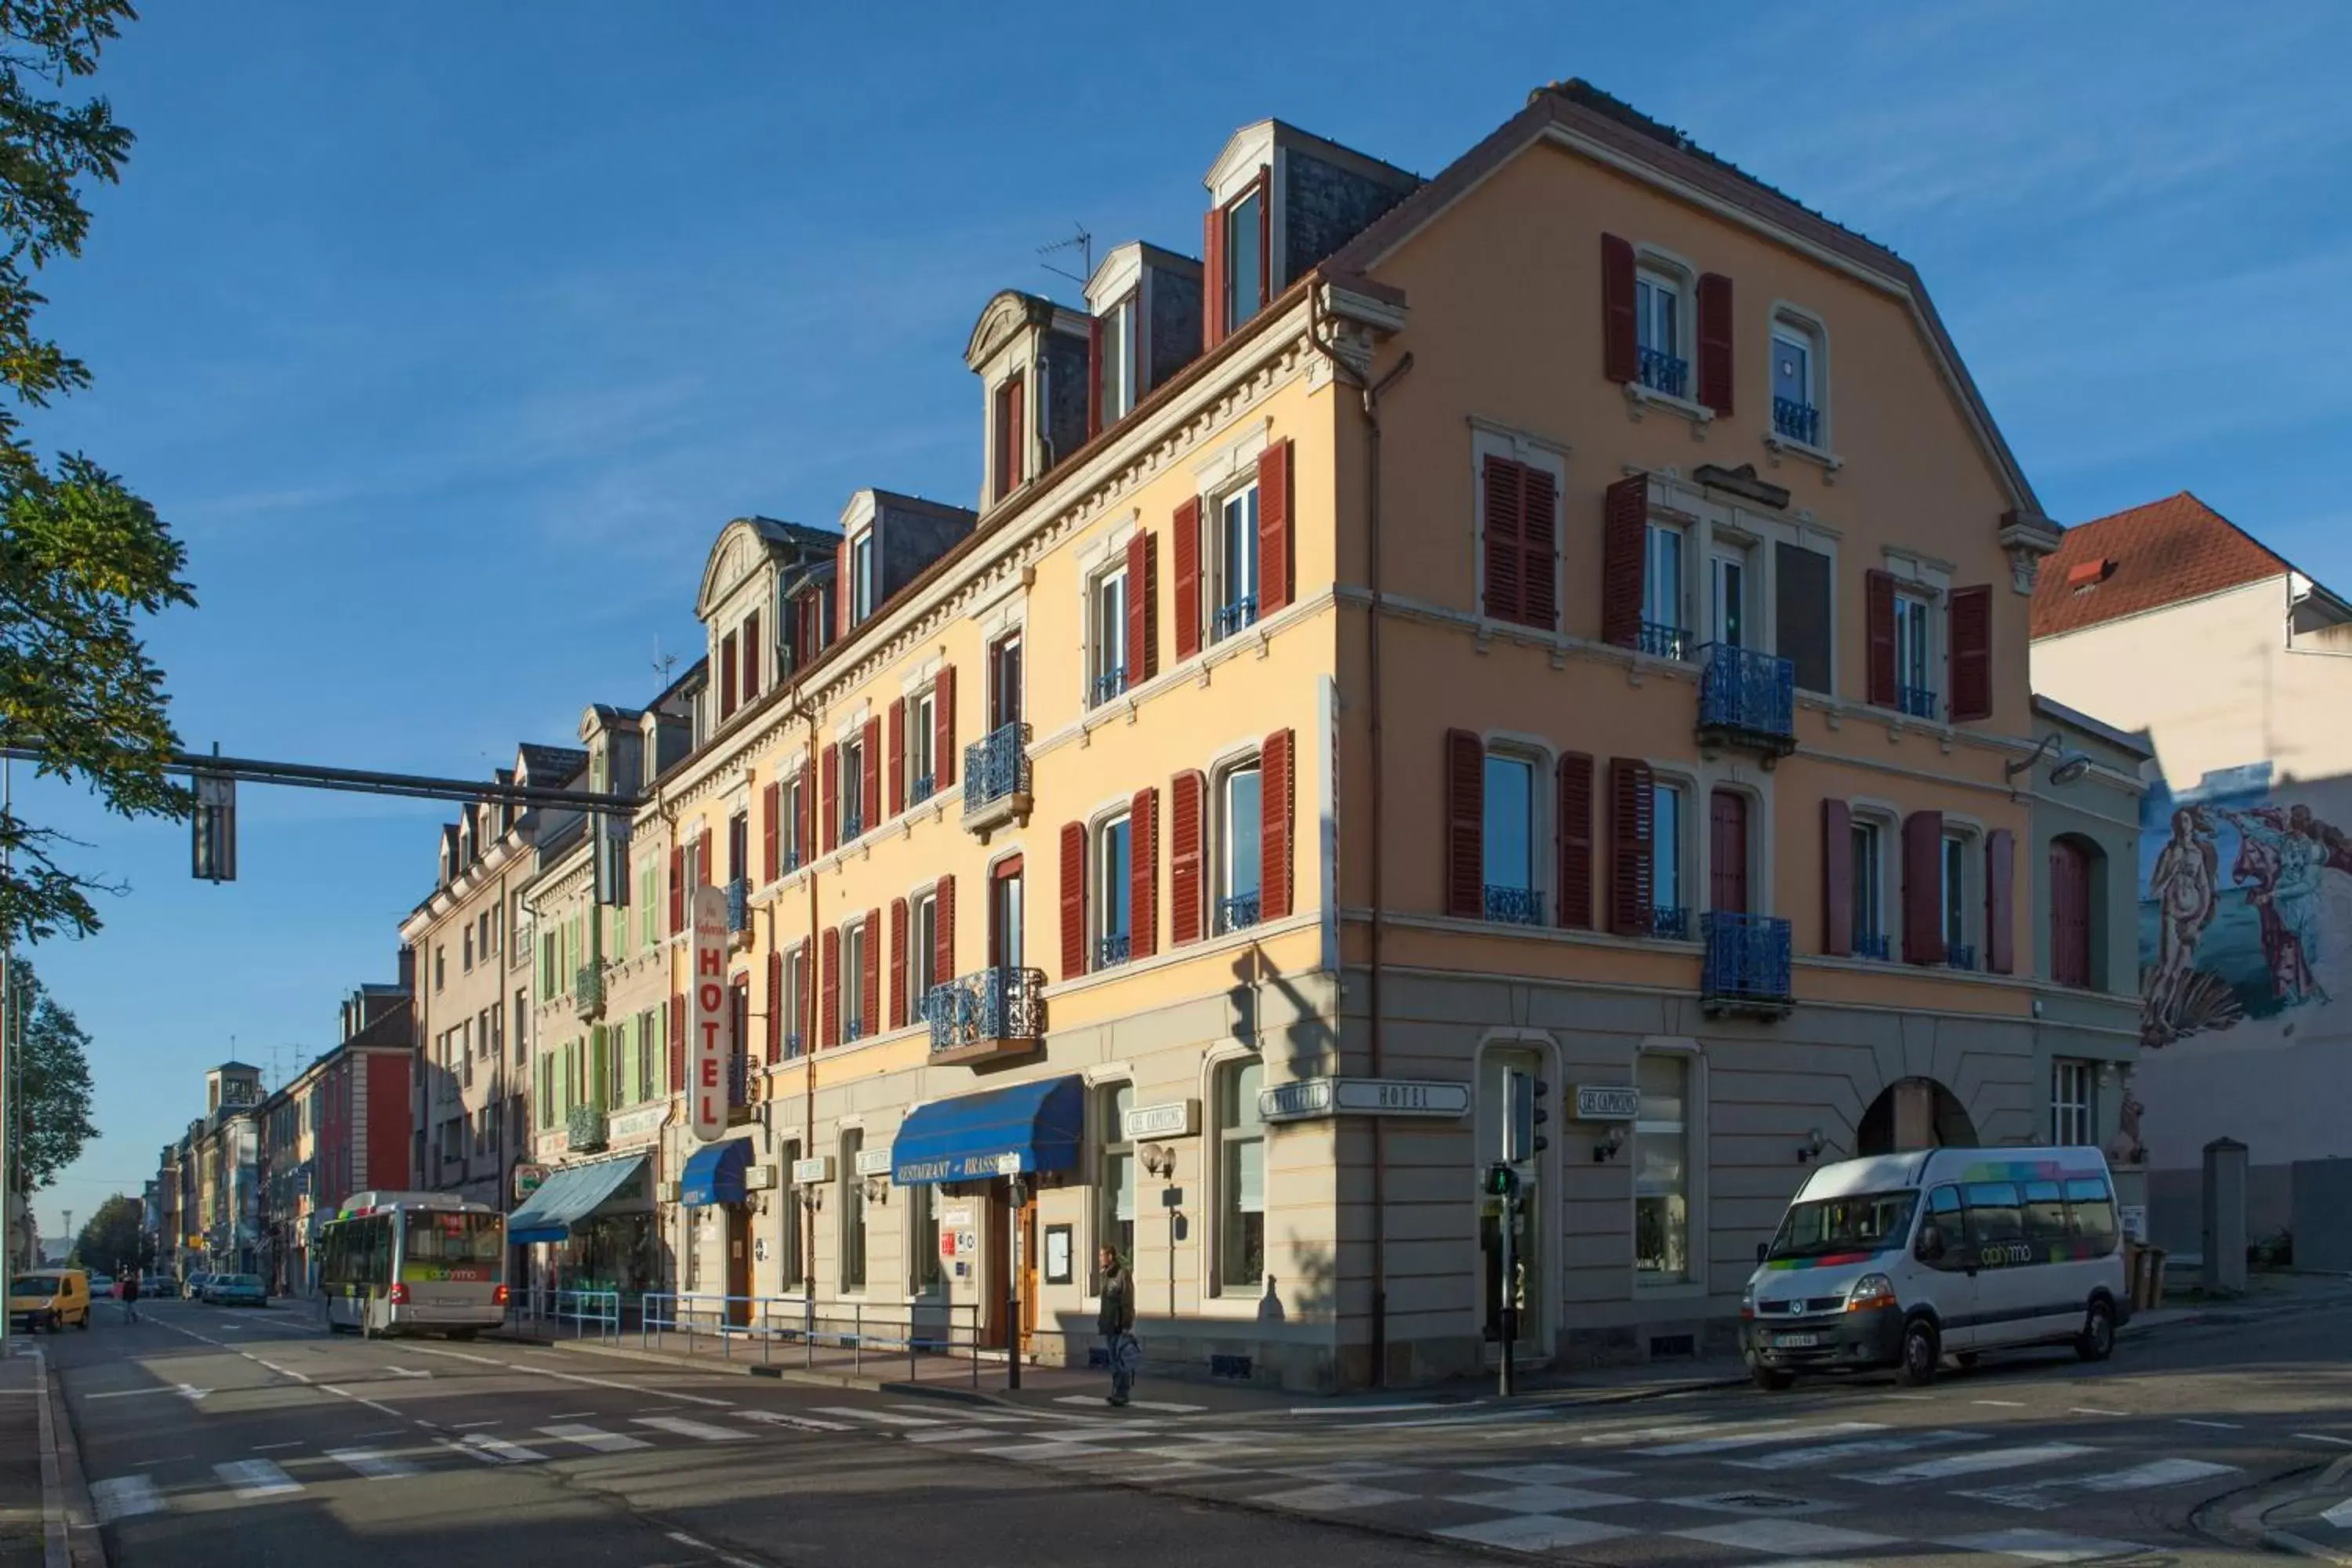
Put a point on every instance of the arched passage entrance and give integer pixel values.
(1914, 1113)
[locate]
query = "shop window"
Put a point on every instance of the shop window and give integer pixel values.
(1240, 1180)
(924, 1275)
(1662, 1169)
(853, 1211)
(794, 1263)
(2073, 1108)
(1115, 1178)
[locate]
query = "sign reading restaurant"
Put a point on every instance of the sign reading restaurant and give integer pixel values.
(956, 1168)
(1313, 1097)
(707, 1043)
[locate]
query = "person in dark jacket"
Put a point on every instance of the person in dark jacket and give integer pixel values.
(1116, 1324)
(130, 1298)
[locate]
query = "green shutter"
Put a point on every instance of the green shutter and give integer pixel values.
(625, 1088)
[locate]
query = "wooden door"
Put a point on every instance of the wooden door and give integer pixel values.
(2070, 913)
(739, 1265)
(996, 1273)
(1028, 1271)
(1727, 860)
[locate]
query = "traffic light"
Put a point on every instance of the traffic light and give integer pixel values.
(213, 829)
(1501, 1181)
(1540, 1108)
(1524, 1095)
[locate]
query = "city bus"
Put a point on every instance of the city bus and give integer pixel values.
(395, 1263)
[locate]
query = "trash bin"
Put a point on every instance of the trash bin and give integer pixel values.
(2145, 1266)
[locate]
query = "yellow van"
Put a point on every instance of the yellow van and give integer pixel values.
(50, 1298)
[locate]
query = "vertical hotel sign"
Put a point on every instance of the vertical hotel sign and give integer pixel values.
(708, 1045)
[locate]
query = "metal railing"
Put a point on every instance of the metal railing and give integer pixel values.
(1870, 944)
(738, 906)
(920, 788)
(1663, 372)
(1960, 955)
(584, 1129)
(1746, 692)
(853, 823)
(1660, 640)
(1239, 913)
(996, 768)
(588, 990)
(845, 1333)
(1747, 958)
(792, 1044)
(1105, 686)
(1230, 618)
(1514, 906)
(1918, 702)
(1670, 921)
(987, 1004)
(1112, 949)
(1794, 421)
(590, 1312)
(792, 860)
(739, 1080)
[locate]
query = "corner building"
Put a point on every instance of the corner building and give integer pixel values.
(1568, 615)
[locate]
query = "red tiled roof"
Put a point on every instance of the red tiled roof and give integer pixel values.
(2161, 554)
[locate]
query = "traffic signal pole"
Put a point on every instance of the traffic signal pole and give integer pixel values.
(1510, 1287)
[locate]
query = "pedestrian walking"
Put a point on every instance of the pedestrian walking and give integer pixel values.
(1116, 1324)
(131, 1298)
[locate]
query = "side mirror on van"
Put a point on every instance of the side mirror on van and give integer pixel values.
(1763, 1250)
(1931, 1243)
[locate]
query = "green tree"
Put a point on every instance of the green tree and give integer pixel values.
(113, 1238)
(53, 1087)
(82, 559)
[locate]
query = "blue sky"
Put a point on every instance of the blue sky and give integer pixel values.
(447, 336)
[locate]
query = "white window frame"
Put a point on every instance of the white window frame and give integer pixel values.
(2080, 1108)
(1124, 319)
(1658, 272)
(848, 1143)
(1695, 1225)
(1729, 550)
(1679, 640)
(792, 1262)
(1222, 836)
(1101, 886)
(922, 946)
(855, 1023)
(1537, 761)
(1488, 439)
(1106, 648)
(1111, 1143)
(851, 761)
(1221, 1288)
(791, 853)
(922, 742)
(1926, 613)
(1967, 839)
(1800, 328)
(1887, 829)
(1217, 554)
(864, 569)
(1685, 787)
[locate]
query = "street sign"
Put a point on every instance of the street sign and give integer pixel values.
(1176, 1118)
(528, 1179)
(709, 1044)
(1607, 1102)
(1310, 1098)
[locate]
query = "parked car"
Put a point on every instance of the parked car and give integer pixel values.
(101, 1285)
(50, 1298)
(194, 1288)
(236, 1291)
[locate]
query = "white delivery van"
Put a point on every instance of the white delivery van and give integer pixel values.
(1902, 1260)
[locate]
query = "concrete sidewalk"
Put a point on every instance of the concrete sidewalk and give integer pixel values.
(46, 1520)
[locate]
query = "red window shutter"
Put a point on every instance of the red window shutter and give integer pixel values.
(1074, 900)
(806, 795)
(776, 1004)
(943, 733)
(1632, 848)
(750, 655)
(1143, 874)
(1016, 433)
(943, 932)
(1277, 776)
(1971, 626)
(677, 888)
(727, 676)
(1505, 561)
(1716, 334)
(1837, 878)
(829, 777)
(1878, 625)
(1923, 888)
(704, 874)
(900, 961)
(1539, 549)
(830, 1035)
(1184, 796)
(1625, 559)
(1213, 279)
(1187, 543)
(1094, 377)
(676, 1044)
(1142, 664)
(898, 755)
(870, 753)
(1576, 841)
(1273, 500)
(2000, 903)
(772, 855)
(2070, 914)
(841, 585)
(1621, 340)
(1465, 825)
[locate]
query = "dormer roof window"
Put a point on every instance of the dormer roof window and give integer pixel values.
(1032, 358)
(1144, 327)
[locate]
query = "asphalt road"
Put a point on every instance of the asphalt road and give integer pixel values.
(217, 1435)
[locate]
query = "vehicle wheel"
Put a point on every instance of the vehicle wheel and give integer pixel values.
(1921, 1351)
(2097, 1340)
(84, 1321)
(1772, 1379)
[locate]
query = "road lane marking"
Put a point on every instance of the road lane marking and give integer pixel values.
(1971, 1463)
(1756, 1439)
(2216, 1426)
(362, 1399)
(2060, 1491)
(572, 1415)
(954, 1435)
(576, 1377)
(857, 1414)
(468, 1425)
(374, 1466)
(124, 1497)
(497, 1450)
(2086, 1410)
(1360, 1409)
(134, 1392)
(1680, 1430)
(2324, 1437)
(2045, 1546)
(681, 1426)
(595, 1437)
(1838, 1453)
(273, 1448)
(2002, 1404)
(297, 1376)
(257, 1477)
(1161, 1404)
(806, 1423)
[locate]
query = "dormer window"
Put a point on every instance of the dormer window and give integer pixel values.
(726, 677)
(1114, 363)
(750, 655)
(1011, 400)
(861, 575)
(1245, 278)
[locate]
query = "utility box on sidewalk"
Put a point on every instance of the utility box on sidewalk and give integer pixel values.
(2320, 1216)
(2225, 1216)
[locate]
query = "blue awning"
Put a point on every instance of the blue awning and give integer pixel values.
(1022, 1128)
(568, 1196)
(714, 1174)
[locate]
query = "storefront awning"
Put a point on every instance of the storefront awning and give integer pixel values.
(714, 1174)
(568, 1196)
(1024, 1128)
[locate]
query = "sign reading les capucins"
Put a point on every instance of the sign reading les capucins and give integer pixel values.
(708, 1041)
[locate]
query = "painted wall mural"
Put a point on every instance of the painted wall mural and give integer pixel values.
(2245, 906)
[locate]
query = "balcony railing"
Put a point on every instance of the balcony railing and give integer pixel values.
(1960, 955)
(920, 788)
(1671, 921)
(738, 906)
(1663, 372)
(1112, 949)
(588, 990)
(1747, 698)
(853, 823)
(1918, 702)
(739, 1080)
(1794, 421)
(1660, 640)
(1105, 686)
(1869, 944)
(1514, 906)
(852, 1030)
(1237, 914)
(792, 1046)
(792, 860)
(988, 1013)
(1231, 618)
(584, 1129)
(1746, 964)
(996, 778)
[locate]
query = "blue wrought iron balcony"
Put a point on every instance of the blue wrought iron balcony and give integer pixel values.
(1111, 949)
(1662, 641)
(1237, 914)
(1663, 372)
(1230, 618)
(584, 1129)
(792, 860)
(1514, 906)
(1746, 964)
(792, 1045)
(1918, 702)
(1867, 944)
(1671, 921)
(852, 1030)
(1107, 684)
(996, 779)
(1747, 699)
(738, 906)
(1794, 421)
(920, 788)
(1960, 955)
(588, 990)
(739, 1080)
(986, 1016)
(853, 823)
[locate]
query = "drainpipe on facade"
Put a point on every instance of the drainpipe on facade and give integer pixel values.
(1370, 393)
(808, 1042)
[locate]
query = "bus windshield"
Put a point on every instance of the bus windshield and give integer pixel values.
(1862, 1221)
(437, 1236)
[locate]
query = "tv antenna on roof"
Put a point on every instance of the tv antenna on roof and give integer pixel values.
(1083, 243)
(663, 662)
